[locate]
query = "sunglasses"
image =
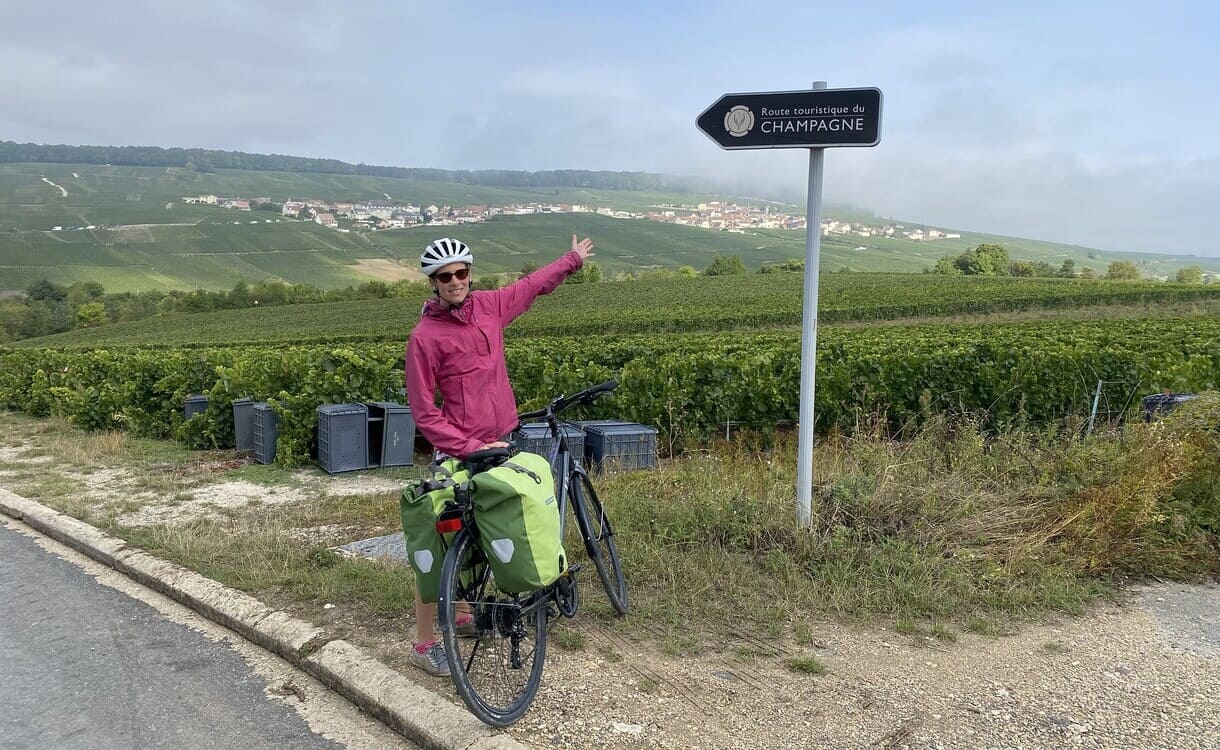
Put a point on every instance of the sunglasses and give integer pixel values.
(445, 276)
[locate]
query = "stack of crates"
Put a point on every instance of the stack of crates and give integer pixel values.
(627, 445)
(343, 437)
(535, 437)
(266, 432)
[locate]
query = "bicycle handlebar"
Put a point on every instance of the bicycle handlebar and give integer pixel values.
(562, 403)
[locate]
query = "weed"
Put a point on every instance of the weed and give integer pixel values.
(648, 686)
(803, 634)
(1054, 647)
(683, 644)
(568, 639)
(943, 633)
(983, 626)
(610, 654)
(806, 665)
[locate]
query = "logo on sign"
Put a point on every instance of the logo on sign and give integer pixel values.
(739, 120)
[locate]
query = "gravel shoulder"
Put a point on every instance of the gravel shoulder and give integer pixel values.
(1142, 673)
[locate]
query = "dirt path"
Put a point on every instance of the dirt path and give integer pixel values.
(1144, 673)
(62, 192)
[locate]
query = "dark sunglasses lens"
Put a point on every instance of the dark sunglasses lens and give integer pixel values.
(460, 275)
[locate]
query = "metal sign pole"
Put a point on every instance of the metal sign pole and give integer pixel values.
(809, 334)
(816, 119)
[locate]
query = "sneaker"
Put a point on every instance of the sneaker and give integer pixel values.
(430, 657)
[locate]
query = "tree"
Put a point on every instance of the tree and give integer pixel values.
(1068, 269)
(725, 265)
(1123, 270)
(376, 289)
(1190, 275)
(527, 268)
(1022, 268)
(792, 264)
(45, 290)
(984, 260)
(1087, 272)
(91, 314)
(946, 267)
(589, 273)
(85, 292)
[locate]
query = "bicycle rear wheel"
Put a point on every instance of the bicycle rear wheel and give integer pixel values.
(497, 672)
(599, 540)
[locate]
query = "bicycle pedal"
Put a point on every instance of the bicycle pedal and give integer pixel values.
(574, 568)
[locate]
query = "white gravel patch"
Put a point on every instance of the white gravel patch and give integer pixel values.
(211, 501)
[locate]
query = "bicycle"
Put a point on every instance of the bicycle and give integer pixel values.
(498, 669)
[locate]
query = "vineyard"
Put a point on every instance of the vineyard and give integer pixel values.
(690, 386)
(655, 306)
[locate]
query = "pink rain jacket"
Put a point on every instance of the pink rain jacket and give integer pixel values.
(461, 353)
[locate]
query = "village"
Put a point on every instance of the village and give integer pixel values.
(378, 215)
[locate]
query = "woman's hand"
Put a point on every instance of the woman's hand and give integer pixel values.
(496, 444)
(584, 247)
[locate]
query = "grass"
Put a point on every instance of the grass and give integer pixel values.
(950, 529)
(806, 665)
(936, 631)
(568, 638)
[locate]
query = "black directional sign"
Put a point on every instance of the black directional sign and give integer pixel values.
(813, 118)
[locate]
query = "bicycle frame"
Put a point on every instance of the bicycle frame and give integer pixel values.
(507, 618)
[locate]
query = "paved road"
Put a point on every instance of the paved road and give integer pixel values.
(85, 666)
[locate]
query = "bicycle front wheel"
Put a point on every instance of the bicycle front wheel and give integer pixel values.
(599, 540)
(498, 670)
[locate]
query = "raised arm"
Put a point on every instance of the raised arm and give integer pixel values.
(517, 297)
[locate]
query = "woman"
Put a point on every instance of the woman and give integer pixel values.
(457, 349)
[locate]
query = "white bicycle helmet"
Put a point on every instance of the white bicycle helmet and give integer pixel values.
(442, 252)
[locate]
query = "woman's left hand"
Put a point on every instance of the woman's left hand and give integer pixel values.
(584, 247)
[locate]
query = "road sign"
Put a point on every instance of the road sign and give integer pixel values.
(813, 119)
(795, 119)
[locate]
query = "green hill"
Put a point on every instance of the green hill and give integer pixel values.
(144, 236)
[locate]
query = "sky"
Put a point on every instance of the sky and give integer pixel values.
(1092, 123)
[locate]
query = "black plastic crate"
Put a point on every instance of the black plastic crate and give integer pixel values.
(626, 445)
(266, 432)
(243, 424)
(1155, 406)
(391, 434)
(535, 437)
(343, 431)
(195, 404)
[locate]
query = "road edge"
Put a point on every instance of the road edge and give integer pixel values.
(413, 711)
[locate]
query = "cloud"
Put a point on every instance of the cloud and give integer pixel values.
(997, 118)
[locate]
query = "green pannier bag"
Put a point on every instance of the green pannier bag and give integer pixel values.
(419, 506)
(518, 518)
